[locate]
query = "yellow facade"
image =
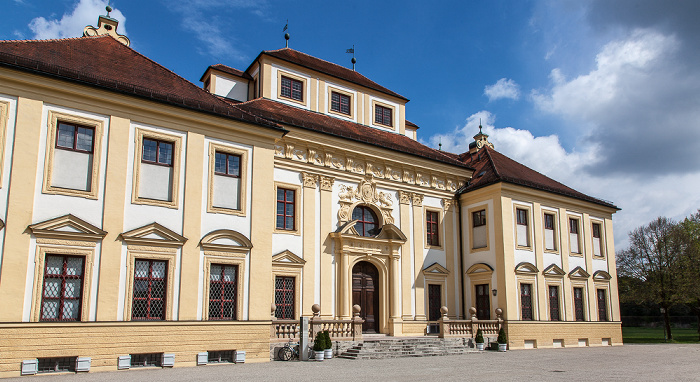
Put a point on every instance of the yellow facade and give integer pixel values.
(113, 227)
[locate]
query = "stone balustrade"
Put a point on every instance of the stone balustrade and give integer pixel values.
(339, 330)
(468, 328)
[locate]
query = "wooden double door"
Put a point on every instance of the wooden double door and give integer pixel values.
(365, 293)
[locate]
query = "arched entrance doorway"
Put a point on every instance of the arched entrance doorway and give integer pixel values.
(365, 293)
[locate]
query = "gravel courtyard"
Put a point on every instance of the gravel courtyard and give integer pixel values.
(623, 363)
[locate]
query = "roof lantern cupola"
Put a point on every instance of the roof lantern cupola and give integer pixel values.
(106, 25)
(480, 140)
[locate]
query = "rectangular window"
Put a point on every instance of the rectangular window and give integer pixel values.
(63, 288)
(479, 234)
(526, 301)
(483, 302)
(223, 288)
(149, 290)
(432, 226)
(227, 164)
(554, 303)
(75, 137)
(602, 305)
(73, 157)
(382, 115)
(284, 297)
(340, 103)
(578, 304)
(550, 242)
(146, 360)
(293, 89)
(56, 365)
(522, 230)
(573, 236)
(221, 356)
(285, 209)
(597, 240)
(156, 173)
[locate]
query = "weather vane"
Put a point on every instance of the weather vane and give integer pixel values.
(286, 35)
(353, 60)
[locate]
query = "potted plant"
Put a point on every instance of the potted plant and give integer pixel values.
(479, 340)
(502, 340)
(328, 349)
(319, 344)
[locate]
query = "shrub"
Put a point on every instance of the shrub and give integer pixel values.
(328, 342)
(319, 342)
(502, 337)
(479, 337)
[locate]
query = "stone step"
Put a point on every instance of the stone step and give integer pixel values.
(407, 347)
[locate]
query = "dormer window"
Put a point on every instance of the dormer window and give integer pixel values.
(382, 115)
(340, 103)
(293, 89)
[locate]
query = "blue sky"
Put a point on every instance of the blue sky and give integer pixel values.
(601, 95)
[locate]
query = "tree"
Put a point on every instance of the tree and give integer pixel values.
(689, 231)
(654, 257)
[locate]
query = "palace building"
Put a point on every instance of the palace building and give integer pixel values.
(143, 215)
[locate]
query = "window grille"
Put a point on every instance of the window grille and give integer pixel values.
(340, 103)
(157, 152)
(382, 115)
(56, 365)
(223, 290)
(227, 164)
(146, 360)
(221, 356)
(284, 297)
(526, 301)
(75, 137)
(63, 288)
(149, 290)
(554, 303)
(367, 222)
(292, 88)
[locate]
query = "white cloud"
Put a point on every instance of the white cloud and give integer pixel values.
(641, 199)
(503, 88)
(72, 24)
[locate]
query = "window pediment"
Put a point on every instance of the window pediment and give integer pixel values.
(287, 259)
(67, 227)
(554, 271)
(579, 273)
(153, 234)
(479, 268)
(225, 240)
(601, 276)
(436, 269)
(526, 268)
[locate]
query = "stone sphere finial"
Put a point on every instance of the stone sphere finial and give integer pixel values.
(356, 310)
(472, 310)
(499, 312)
(444, 310)
(316, 309)
(273, 308)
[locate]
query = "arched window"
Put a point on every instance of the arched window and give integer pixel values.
(367, 222)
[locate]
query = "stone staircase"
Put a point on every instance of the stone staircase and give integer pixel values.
(393, 347)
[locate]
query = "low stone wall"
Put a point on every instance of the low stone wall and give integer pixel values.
(339, 347)
(105, 342)
(538, 334)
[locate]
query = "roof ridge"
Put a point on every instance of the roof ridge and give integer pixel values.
(492, 164)
(54, 39)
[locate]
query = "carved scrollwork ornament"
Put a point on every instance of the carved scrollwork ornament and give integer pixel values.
(417, 199)
(309, 179)
(327, 183)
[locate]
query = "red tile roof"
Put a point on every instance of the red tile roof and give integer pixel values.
(491, 167)
(409, 123)
(335, 70)
(105, 63)
(227, 69)
(305, 119)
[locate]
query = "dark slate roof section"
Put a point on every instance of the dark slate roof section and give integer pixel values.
(491, 167)
(329, 68)
(228, 70)
(105, 63)
(309, 120)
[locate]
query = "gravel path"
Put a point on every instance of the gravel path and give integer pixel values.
(661, 362)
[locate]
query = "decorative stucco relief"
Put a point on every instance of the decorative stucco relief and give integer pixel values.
(357, 164)
(365, 192)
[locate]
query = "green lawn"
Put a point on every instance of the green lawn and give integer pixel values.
(656, 335)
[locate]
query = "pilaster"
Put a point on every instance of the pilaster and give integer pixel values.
(538, 247)
(406, 256)
(564, 249)
(326, 282)
(309, 242)
(418, 238)
(449, 243)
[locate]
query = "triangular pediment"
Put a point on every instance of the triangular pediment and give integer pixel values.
(391, 232)
(436, 269)
(153, 234)
(479, 268)
(226, 240)
(525, 268)
(67, 227)
(601, 276)
(579, 273)
(554, 271)
(288, 259)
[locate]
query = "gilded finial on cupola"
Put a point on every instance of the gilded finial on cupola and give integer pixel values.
(106, 25)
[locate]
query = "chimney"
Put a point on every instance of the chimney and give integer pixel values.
(106, 26)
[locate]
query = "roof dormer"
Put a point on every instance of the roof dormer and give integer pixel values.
(227, 82)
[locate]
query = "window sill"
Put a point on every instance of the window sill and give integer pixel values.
(295, 232)
(480, 249)
(575, 254)
(155, 202)
(50, 190)
(552, 251)
(283, 98)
